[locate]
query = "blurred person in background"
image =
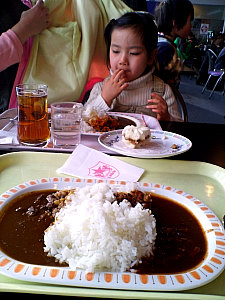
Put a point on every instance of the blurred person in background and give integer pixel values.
(189, 52)
(173, 18)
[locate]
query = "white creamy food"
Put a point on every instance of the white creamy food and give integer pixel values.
(135, 137)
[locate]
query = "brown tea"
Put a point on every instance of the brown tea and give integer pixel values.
(33, 126)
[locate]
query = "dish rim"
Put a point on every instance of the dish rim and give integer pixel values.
(186, 142)
(211, 268)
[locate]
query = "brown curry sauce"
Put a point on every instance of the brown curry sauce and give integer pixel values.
(180, 244)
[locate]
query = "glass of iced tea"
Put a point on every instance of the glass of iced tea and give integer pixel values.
(33, 125)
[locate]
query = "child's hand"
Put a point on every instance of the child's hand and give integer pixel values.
(159, 106)
(114, 86)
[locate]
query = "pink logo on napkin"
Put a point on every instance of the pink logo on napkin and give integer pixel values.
(103, 170)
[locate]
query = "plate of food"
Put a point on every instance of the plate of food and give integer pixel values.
(115, 235)
(96, 122)
(141, 142)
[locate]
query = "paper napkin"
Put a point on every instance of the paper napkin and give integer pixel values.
(7, 137)
(85, 162)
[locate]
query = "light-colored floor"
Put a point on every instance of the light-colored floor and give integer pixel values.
(200, 108)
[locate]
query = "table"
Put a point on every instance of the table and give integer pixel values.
(208, 141)
(208, 146)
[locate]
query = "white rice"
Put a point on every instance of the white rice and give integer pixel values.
(94, 234)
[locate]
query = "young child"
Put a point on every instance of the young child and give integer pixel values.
(131, 42)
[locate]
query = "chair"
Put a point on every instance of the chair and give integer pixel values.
(213, 72)
(181, 104)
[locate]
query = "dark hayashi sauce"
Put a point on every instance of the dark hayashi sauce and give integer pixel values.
(21, 236)
(180, 244)
(123, 122)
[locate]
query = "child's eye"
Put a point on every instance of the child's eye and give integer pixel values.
(115, 51)
(134, 53)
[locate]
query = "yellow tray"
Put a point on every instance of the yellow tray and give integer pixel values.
(202, 180)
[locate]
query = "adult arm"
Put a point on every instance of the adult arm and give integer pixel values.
(32, 22)
(11, 49)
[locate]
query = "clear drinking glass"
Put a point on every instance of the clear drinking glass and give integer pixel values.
(66, 118)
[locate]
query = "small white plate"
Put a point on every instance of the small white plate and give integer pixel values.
(208, 270)
(159, 146)
(136, 121)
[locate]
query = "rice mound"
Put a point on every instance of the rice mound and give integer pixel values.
(94, 233)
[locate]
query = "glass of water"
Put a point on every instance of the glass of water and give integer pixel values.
(66, 118)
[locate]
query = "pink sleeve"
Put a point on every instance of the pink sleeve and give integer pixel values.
(11, 49)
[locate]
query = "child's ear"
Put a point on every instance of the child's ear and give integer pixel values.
(152, 57)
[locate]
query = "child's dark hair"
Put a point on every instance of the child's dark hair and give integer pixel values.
(173, 10)
(141, 22)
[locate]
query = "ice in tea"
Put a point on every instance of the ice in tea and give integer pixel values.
(33, 126)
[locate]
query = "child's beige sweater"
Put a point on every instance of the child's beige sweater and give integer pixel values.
(135, 98)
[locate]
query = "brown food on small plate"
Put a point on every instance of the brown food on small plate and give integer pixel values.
(109, 123)
(103, 124)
